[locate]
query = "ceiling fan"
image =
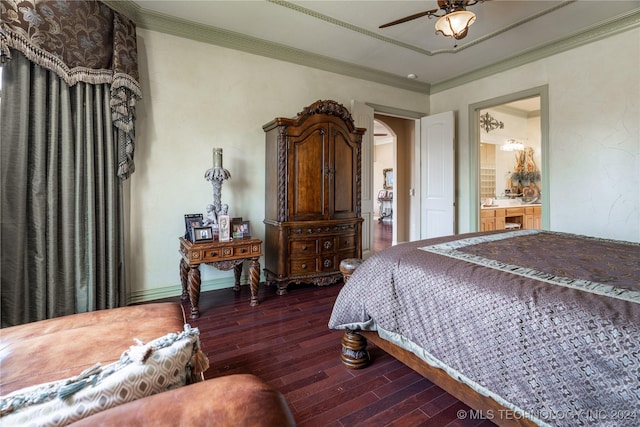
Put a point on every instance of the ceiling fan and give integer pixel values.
(453, 18)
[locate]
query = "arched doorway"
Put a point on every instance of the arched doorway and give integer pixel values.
(384, 140)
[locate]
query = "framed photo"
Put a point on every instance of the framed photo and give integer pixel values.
(240, 229)
(246, 229)
(202, 234)
(388, 179)
(236, 228)
(390, 195)
(382, 194)
(236, 222)
(224, 228)
(190, 221)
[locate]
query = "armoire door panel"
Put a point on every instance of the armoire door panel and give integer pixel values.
(344, 186)
(307, 179)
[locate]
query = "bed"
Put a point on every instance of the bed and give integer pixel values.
(527, 327)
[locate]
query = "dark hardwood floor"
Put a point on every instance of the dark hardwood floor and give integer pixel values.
(286, 342)
(382, 235)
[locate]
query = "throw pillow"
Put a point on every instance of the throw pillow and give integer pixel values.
(143, 370)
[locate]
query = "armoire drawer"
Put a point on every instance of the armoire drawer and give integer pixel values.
(346, 242)
(302, 248)
(303, 266)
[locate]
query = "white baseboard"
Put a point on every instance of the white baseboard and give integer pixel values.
(146, 295)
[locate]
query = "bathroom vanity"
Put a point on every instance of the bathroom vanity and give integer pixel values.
(511, 215)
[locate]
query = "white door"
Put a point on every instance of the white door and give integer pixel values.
(363, 118)
(437, 205)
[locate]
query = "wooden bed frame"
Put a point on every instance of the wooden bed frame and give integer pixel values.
(355, 356)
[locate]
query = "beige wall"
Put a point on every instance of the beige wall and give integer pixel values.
(198, 96)
(403, 169)
(594, 134)
(383, 159)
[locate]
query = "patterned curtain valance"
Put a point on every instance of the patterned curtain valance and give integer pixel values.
(81, 41)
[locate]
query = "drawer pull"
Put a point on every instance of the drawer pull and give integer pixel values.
(213, 253)
(304, 266)
(304, 247)
(242, 250)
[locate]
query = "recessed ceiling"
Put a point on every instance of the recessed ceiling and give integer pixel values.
(346, 32)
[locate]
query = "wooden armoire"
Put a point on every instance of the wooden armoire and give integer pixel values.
(312, 198)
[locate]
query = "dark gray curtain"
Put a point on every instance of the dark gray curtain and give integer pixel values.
(61, 214)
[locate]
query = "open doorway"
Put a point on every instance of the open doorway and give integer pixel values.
(393, 171)
(384, 147)
(511, 152)
(405, 125)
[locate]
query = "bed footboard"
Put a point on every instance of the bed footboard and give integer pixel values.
(355, 356)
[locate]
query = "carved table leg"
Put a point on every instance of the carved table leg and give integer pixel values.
(282, 288)
(354, 350)
(254, 274)
(184, 273)
(194, 291)
(237, 270)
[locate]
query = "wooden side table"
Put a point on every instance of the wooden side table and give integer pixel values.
(223, 256)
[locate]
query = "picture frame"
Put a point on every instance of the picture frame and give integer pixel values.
(241, 229)
(236, 223)
(246, 228)
(224, 228)
(388, 179)
(236, 228)
(382, 194)
(190, 221)
(202, 234)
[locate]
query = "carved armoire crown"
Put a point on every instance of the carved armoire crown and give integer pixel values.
(312, 202)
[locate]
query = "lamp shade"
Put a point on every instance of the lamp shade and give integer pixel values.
(455, 24)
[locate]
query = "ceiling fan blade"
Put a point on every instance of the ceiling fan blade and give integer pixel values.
(409, 18)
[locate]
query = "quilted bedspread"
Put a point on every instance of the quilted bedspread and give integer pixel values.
(546, 323)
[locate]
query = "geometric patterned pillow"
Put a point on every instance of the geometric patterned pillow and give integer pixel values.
(143, 370)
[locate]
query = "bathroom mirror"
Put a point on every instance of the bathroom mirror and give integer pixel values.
(388, 179)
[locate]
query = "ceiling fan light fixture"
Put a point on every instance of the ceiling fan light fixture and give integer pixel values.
(455, 24)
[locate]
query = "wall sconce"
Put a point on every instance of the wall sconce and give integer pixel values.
(488, 123)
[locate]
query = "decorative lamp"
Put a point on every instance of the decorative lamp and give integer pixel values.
(217, 174)
(454, 19)
(455, 24)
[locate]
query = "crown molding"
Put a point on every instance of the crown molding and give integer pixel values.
(609, 28)
(163, 23)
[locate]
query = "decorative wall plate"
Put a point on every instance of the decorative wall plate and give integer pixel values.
(530, 194)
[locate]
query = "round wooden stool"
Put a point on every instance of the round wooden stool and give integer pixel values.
(348, 266)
